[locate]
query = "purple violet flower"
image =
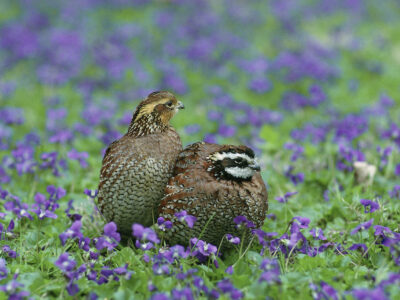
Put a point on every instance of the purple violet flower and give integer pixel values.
(91, 193)
(395, 192)
(397, 170)
(201, 249)
(362, 226)
(361, 246)
(146, 237)
(382, 230)
(318, 234)
(7, 250)
(285, 198)
(233, 239)
(366, 294)
(3, 269)
(240, 220)
(226, 286)
(64, 263)
(163, 224)
(11, 287)
(81, 157)
(73, 232)
(110, 239)
(183, 216)
(303, 222)
(370, 206)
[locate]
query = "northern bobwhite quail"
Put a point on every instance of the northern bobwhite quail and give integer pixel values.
(214, 183)
(136, 167)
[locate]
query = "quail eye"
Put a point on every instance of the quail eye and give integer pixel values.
(238, 160)
(169, 104)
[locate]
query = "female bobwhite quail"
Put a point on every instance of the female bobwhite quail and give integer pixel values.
(136, 167)
(214, 183)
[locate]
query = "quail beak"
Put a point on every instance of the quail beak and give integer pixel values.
(255, 166)
(180, 105)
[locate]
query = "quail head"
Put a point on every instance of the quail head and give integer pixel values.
(136, 167)
(214, 183)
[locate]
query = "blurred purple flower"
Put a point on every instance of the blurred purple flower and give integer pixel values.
(384, 155)
(185, 293)
(397, 170)
(227, 130)
(161, 269)
(12, 116)
(64, 263)
(49, 161)
(95, 114)
(362, 226)
(257, 65)
(318, 234)
(285, 198)
(303, 221)
(210, 138)
(163, 224)
(370, 206)
(91, 193)
(226, 286)
(347, 156)
(271, 271)
(3, 269)
(110, 239)
(229, 270)
(160, 296)
(295, 178)
(214, 115)
(183, 216)
(4, 178)
(7, 250)
(392, 133)
(362, 247)
(260, 85)
(297, 150)
(20, 40)
(233, 239)
(381, 230)
(192, 129)
(23, 159)
(19, 208)
(201, 249)
(62, 136)
(323, 291)
(395, 192)
(79, 156)
(366, 294)
(146, 237)
(73, 232)
(10, 288)
(114, 56)
(8, 232)
(242, 220)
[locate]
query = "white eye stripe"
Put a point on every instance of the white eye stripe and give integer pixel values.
(233, 156)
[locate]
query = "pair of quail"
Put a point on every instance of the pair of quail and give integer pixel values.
(146, 174)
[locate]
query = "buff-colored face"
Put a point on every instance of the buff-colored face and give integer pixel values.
(164, 104)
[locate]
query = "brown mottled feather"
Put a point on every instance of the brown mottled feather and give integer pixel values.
(136, 168)
(194, 189)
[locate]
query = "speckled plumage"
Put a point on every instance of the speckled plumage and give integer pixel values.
(198, 187)
(136, 168)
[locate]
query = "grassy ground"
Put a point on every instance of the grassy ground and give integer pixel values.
(311, 86)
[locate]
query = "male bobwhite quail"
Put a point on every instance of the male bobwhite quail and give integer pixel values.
(214, 183)
(136, 167)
